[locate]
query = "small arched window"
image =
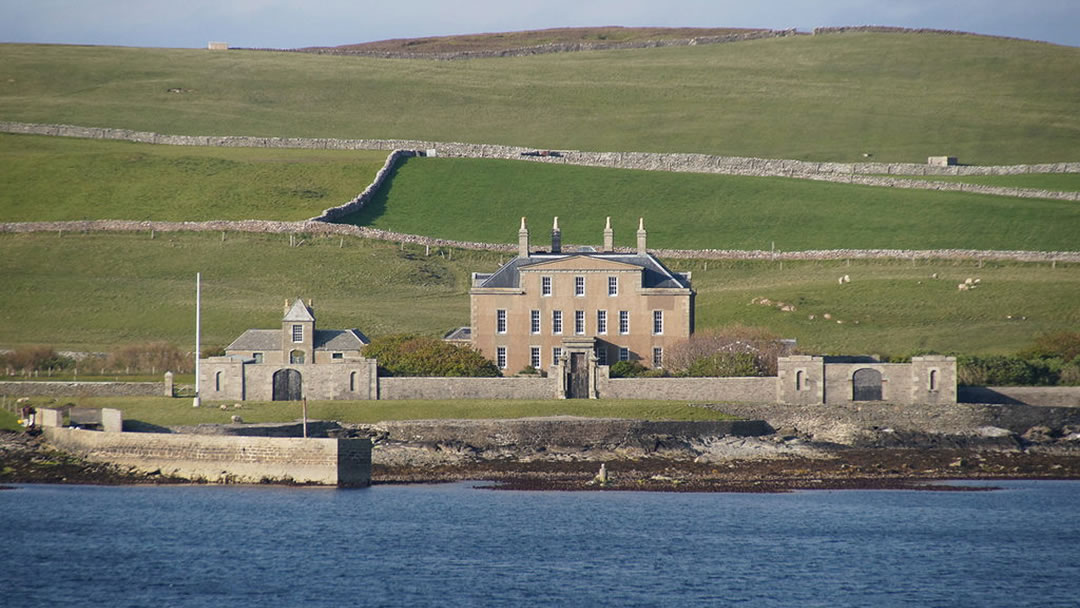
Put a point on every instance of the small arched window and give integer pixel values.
(352, 382)
(933, 380)
(217, 381)
(296, 357)
(800, 381)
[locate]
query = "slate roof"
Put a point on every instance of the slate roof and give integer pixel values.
(461, 333)
(257, 339)
(339, 339)
(325, 339)
(656, 275)
(299, 312)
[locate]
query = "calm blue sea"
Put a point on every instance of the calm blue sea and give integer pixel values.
(454, 545)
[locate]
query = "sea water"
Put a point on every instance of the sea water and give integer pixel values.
(456, 545)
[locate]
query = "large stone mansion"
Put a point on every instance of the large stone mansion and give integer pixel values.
(542, 304)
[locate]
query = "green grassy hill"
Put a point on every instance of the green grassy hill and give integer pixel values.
(899, 97)
(53, 178)
(98, 291)
(444, 198)
(48, 178)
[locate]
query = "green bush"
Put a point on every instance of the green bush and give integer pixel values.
(627, 369)
(1064, 345)
(726, 364)
(412, 355)
(1003, 370)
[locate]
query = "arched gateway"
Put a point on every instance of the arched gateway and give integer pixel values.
(288, 386)
(866, 385)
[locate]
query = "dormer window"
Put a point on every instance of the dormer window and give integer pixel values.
(297, 333)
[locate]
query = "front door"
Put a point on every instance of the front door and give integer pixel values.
(866, 385)
(287, 385)
(578, 385)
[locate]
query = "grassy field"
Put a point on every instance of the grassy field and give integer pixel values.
(1061, 182)
(97, 291)
(163, 411)
(51, 178)
(443, 198)
(833, 97)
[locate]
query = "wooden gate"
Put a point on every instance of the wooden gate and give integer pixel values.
(287, 385)
(866, 385)
(578, 385)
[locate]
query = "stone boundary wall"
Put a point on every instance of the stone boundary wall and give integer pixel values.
(226, 459)
(869, 174)
(336, 213)
(398, 388)
(762, 390)
(82, 389)
(541, 49)
(1049, 396)
(890, 29)
(66, 228)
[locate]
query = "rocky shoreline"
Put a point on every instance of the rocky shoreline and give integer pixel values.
(774, 449)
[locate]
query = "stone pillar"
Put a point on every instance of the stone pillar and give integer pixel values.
(933, 380)
(50, 417)
(169, 384)
(641, 236)
(112, 420)
(800, 380)
(556, 237)
(609, 237)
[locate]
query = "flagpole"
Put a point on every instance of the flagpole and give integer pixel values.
(198, 335)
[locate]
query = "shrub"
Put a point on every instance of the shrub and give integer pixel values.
(726, 364)
(36, 358)
(710, 352)
(1000, 370)
(627, 369)
(1070, 373)
(412, 355)
(151, 357)
(1064, 345)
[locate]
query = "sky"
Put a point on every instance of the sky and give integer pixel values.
(299, 23)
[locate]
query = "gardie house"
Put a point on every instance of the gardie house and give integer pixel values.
(544, 307)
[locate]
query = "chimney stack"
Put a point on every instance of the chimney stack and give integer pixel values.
(523, 240)
(641, 236)
(609, 237)
(556, 237)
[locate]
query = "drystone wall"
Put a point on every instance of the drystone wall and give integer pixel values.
(542, 49)
(231, 459)
(761, 390)
(65, 229)
(392, 388)
(82, 389)
(321, 225)
(1052, 396)
(862, 173)
(336, 213)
